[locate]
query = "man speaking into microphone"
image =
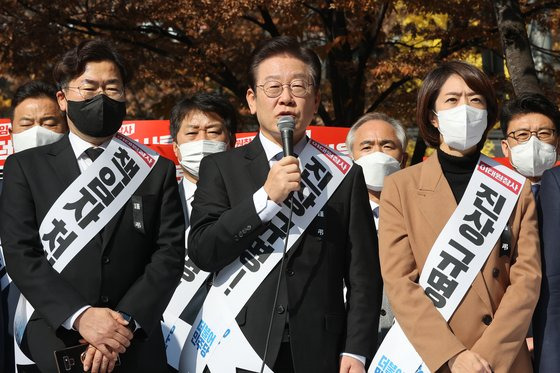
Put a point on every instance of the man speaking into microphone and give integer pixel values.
(241, 211)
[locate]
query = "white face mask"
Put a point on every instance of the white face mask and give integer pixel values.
(463, 126)
(33, 137)
(193, 152)
(533, 157)
(376, 166)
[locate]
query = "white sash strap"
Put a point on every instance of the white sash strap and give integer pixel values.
(457, 256)
(216, 340)
(176, 330)
(85, 207)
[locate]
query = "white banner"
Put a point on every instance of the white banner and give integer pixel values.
(85, 207)
(176, 330)
(217, 340)
(460, 251)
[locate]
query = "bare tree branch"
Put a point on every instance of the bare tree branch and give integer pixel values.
(393, 87)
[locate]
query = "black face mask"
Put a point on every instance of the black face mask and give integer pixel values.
(100, 116)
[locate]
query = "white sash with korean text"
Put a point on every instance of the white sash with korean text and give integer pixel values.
(216, 340)
(457, 256)
(84, 208)
(175, 329)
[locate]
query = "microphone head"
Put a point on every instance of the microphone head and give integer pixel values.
(286, 123)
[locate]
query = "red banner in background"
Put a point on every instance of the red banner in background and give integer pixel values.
(155, 134)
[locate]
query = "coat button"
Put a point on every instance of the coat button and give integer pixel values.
(105, 259)
(495, 272)
(382, 312)
(104, 299)
(290, 272)
(280, 309)
(487, 319)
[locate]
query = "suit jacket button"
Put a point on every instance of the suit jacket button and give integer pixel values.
(487, 319)
(382, 312)
(290, 272)
(105, 259)
(495, 272)
(104, 299)
(280, 309)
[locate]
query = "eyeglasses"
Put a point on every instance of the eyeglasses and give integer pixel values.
(298, 88)
(89, 91)
(543, 134)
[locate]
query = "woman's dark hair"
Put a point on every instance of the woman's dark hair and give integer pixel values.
(430, 89)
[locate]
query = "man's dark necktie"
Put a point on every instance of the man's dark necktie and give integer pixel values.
(93, 153)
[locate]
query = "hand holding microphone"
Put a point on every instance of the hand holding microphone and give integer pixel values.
(284, 176)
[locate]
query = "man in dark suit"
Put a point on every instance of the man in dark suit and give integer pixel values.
(240, 191)
(377, 143)
(546, 322)
(199, 125)
(127, 271)
(36, 120)
(531, 124)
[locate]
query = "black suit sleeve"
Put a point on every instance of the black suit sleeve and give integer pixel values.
(219, 231)
(50, 294)
(149, 295)
(363, 273)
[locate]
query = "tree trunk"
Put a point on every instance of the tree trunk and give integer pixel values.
(516, 47)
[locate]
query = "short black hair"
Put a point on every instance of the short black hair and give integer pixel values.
(207, 103)
(283, 45)
(528, 103)
(73, 63)
(32, 89)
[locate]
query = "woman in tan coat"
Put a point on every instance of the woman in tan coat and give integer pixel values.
(456, 108)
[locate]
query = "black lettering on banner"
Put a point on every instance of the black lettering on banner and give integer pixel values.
(127, 163)
(100, 189)
(190, 270)
(260, 250)
(302, 202)
(469, 256)
(235, 281)
(275, 232)
(471, 234)
(487, 193)
(320, 173)
(437, 299)
(457, 265)
(78, 206)
(57, 245)
(257, 254)
(125, 176)
(476, 218)
(93, 215)
(442, 285)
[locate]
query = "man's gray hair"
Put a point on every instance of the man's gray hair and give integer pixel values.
(399, 129)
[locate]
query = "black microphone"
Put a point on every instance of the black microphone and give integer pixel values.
(286, 125)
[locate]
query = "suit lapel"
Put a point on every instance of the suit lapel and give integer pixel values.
(437, 204)
(435, 197)
(257, 165)
(62, 159)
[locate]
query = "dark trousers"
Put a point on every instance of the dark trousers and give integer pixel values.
(284, 362)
